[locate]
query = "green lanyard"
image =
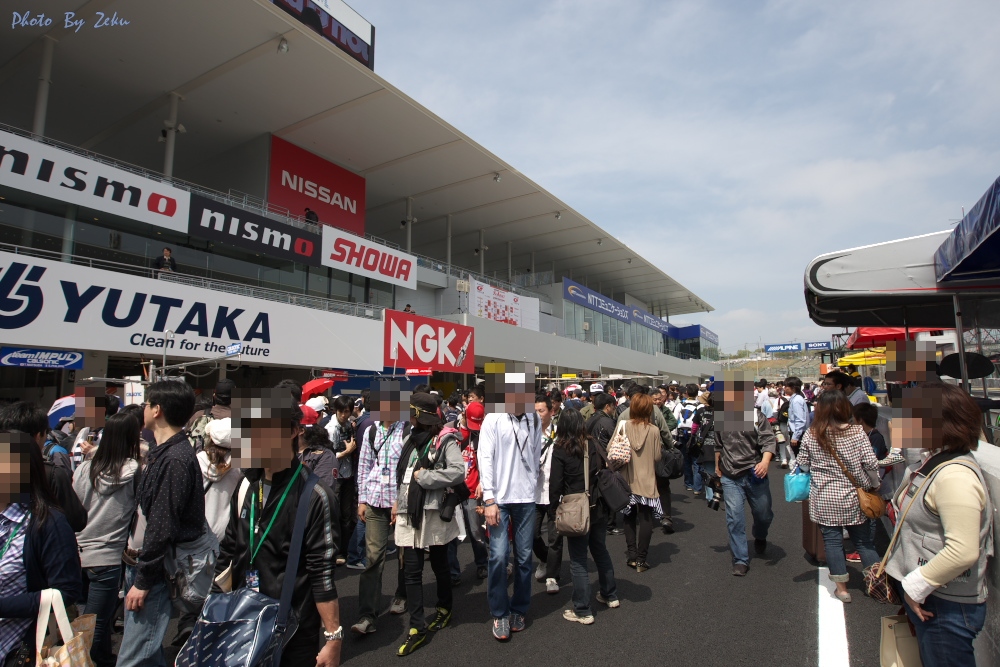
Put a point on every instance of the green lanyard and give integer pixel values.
(277, 510)
(10, 539)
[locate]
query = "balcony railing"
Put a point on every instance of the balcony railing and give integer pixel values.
(364, 310)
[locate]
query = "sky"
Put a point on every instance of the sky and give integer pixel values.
(730, 142)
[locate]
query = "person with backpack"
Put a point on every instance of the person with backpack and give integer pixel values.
(106, 486)
(316, 452)
(343, 436)
(29, 418)
(429, 466)
(548, 544)
(569, 469)
(688, 413)
(381, 446)
(258, 537)
(221, 408)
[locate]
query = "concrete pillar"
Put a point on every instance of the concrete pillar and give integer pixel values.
(533, 263)
(447, 246)
(510, 266)
(482, 251)
(554, 280)
(168, 156)
(44, 82)
(409, 223)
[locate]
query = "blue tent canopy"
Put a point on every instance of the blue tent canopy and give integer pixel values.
(972, 250)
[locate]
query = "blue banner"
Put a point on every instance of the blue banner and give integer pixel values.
(784, 347)
(640, 316)
(577, 293)
(822, 345)
(26, 357)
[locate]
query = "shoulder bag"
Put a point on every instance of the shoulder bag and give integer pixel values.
(872, 505)
(245, 628)
(573, 513)
(671, 463)
(77, 637)
(620, 449)
(613, 488)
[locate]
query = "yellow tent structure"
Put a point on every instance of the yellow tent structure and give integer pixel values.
(871, 357)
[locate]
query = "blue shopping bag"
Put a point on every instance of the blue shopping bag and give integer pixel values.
(797, 486)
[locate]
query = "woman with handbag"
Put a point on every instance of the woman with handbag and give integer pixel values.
(640, 472)
(575, 463)
(843, 467)
(106, 486)
(944, 535)
(37, 547)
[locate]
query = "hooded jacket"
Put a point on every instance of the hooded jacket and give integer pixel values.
(219, 487)
(742, 450)
(110, 506)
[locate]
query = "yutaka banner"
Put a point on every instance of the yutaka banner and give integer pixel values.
(412, 341)
(45, 303)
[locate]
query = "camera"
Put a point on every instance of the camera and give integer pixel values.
(713, 489)
(346, 435)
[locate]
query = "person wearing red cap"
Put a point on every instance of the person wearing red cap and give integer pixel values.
(469, 424)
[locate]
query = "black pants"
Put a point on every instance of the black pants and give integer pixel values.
(302, 649)
(347, 497)
(413, 565)
(663, 488)
(642, 515)
(548, 544)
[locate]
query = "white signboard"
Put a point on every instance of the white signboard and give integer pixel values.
(48, 171)
(493, 303)
(356, 254)
(54, 304)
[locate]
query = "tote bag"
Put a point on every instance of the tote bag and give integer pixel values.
(619, 449)
(77, 636)
(899, 647)
(797, 486)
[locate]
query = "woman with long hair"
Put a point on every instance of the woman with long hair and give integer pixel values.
(37, 546)
(833, 500)
(567, 477)
(644, 505)
(939, 556)
(106, 486)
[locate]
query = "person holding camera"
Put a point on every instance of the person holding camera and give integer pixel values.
(429, 465)
(743, 452)
(341, 430)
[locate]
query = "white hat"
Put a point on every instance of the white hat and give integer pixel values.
(220, 432)
(674, 382)
(596, 387)
(317, 403)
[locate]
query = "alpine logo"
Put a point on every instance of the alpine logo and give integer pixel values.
(51, 172)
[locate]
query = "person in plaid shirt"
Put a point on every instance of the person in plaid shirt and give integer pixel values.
(833, 501)
(381, 445)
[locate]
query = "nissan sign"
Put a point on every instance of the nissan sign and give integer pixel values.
(412, 341)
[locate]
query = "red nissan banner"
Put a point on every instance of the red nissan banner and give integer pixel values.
(415, 342)
(298, 179)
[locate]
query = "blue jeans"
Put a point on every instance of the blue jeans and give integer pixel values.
(736, 493)
(578, 546)
(102, 600)
(946, 639)
(833, 541)
(522, 517)
(692, 467)
(356, 547)
(142, 642)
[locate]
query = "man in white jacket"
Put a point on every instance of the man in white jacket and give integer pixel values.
(510, 446)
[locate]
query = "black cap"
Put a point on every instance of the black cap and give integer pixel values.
(425, 407)
(224, 388)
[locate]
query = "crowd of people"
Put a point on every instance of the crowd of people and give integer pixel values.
(179, 499)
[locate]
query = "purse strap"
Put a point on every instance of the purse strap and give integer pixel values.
(586, 468)
(294, 551)
(899, 524)
(51, 600)
(844, 468)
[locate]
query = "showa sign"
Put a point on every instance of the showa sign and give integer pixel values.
(422, 343)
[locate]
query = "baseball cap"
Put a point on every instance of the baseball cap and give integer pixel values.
(317, 403)
(425, 407)
(675, 383)
(596, 387)
(220, 432)
(474, 415)
(309, 416)
(224, 388)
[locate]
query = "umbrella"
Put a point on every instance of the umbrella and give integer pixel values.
(875, 357)
(64, 407)
(315, 387)
(874, 336)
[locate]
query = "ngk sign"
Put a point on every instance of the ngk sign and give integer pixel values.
(48, 171)
(414, 341)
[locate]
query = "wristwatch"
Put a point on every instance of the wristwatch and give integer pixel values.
(336, 635)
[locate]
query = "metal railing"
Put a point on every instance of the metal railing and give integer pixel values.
(258, 206)
(364, 310)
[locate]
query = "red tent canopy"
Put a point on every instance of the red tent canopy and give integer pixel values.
(865, 337)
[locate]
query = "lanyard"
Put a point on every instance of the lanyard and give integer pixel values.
(254, 527)
(381, 444)
(514, 423)
(10, 539)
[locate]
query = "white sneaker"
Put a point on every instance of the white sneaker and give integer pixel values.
(398, 606)
(784, 463)
(612, 604)
(540, 573)
(570, 615)
(551, 586)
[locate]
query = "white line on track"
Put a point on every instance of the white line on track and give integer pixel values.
(833, 651)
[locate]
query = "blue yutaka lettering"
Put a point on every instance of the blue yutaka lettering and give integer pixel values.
(16, 313)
